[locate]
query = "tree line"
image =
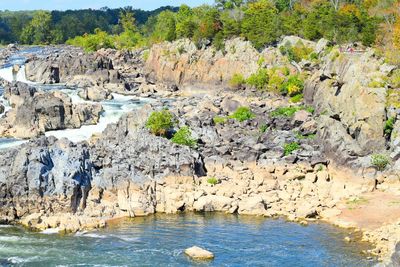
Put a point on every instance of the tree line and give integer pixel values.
(55, 27)
(263, 22)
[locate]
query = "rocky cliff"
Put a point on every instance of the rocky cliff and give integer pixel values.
(183, 64)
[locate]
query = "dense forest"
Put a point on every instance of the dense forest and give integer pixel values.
(263, 22)
(36, 27)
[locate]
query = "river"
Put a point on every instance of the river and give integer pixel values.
(159, 240)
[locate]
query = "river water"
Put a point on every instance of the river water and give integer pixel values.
(159, 240)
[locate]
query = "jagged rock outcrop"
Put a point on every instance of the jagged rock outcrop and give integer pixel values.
(352, 113)
(183, 64)
(35, 112)
(114, 177)
(109, 69)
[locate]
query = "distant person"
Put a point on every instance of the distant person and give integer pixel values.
(15, 70)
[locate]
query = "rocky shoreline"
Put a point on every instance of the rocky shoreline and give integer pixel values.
(237, 167)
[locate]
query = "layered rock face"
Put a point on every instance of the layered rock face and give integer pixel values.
(43, 183)
(183, 64)
(35, 112)
(353, 114)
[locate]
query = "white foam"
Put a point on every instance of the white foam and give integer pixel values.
(94, 235)
(51, 231)
(113, 111)
(7, 75)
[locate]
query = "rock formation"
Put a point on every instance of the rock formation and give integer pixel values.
(35, 112)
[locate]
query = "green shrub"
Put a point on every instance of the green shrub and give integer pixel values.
(293, 86)
(284, 111)
(219, 120)
(93, 42)
(290, 111)
(184, 137)
(296, 53)
(160, 122)
(309, 109)
(146, 55)
(242, 114)
(290, 148)
(376, 84)
(259, 79)
(212, 181)
(394, 79)
(380, 161)
(277, 77)
(297, 98)
(237, 80)
(389, 124)
(263, 128)
(313, 56)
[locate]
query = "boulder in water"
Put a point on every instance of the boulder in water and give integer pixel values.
(198, 253)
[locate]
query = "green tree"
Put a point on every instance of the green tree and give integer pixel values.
(127, 21)
(38, 31)
(165, 29)
(185, 25)
(229, 4)
(261, 24)
(207, 21)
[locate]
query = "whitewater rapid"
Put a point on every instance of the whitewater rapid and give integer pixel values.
(113, 109)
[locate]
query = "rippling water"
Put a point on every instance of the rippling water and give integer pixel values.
(159, 241)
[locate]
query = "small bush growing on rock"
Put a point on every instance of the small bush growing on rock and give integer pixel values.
(293, 86)
(296, 53)
(379, 161)
(259, 80)
(395, 79)
(184, 137)
(376, 84)
(297, 98)
(212, 181)
(290, 111)
(160, 122)
(263, 128)
(389, 124)
(284, 111)
(309, 109)
(277, 77)
(237, 80)
(219, 120)
(290, 148)
(242, 114)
